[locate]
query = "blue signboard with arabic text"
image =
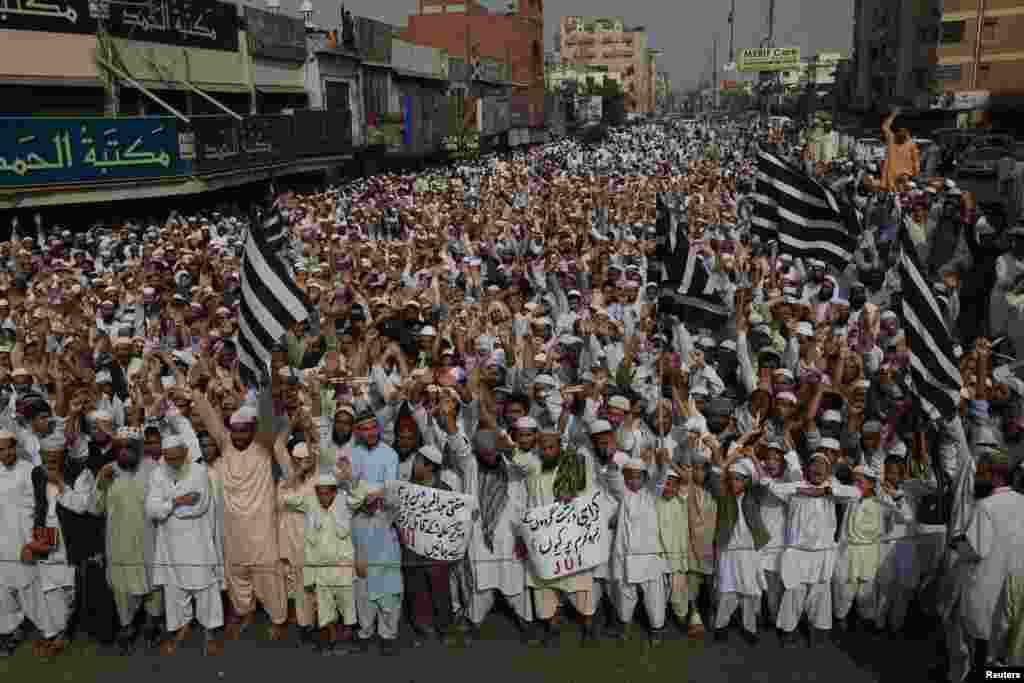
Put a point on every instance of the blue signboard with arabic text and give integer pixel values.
(64, 151)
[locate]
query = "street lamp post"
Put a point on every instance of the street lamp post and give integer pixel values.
(100, 9)
(307, 13)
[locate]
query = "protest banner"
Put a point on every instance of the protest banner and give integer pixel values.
(433, 523)
(566, 538)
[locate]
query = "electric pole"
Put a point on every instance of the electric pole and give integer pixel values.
(732, 32)
(771, 23)
(714, 66)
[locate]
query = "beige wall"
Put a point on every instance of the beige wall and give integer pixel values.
(28, 56)
(617, 50)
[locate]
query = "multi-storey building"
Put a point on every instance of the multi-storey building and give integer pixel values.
(894, 47)
(623, 50)
(982, 46)
(513, 34)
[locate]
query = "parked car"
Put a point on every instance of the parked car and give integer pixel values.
(981, 161)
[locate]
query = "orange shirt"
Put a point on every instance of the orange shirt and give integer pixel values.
(900, 160)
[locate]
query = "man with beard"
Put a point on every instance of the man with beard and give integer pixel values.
(378, 582)
(251, 557)
(300, 475)
(121, 490)
(178, 501)
(549, 471)
(994, 543)
(20, 592)
(495, 556)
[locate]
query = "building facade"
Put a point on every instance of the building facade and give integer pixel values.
(894, 46)
(609, 43)
(472, 31)
(982, 47)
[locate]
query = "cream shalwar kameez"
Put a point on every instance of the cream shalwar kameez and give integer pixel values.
(808, 560)
(857, 560)
(291, 538)
(740, 575)
(674, 537)
(57, 577)
(540, 487)
(131, 542)
(251, 553)
(185, 561)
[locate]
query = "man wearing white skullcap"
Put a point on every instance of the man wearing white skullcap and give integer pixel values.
(299, 481)
(857, 561)
(250, 522)
(809, 557)
(329, 553)
(740, 536)
(186, 559)
(702, 515)
(21, 594)
(121, 489)
(637, 564)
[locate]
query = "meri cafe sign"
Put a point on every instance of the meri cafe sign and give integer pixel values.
(566, 538)
(41, 151)
(754, 59)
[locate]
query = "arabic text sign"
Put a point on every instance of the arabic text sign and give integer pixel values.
(190, 23)
(567, 538)
(275, 35)
(432, 523)
(40, 151)
(769, 59)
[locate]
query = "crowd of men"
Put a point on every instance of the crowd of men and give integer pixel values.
(493, 329)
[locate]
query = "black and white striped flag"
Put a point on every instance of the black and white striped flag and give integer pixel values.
(275, 228)
(933, 366)
(686, 286)
(271, 303)
(803, 215)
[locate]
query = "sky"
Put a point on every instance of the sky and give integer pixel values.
(682, 29)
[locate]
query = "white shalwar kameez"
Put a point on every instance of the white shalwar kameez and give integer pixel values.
(497, 570)
(186, 559)
(21, 595)
(637, 564)
(740, 576)
(56, 576)
(809, 558)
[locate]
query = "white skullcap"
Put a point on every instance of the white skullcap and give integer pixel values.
(432, 453)
(618, 402)
(171, 441)
(100, 415)
(899, 449)
(832, 416)
(600, 427)
(104, 377)
(53, 442)
(300, 451)
(805, 329)
(546, 380)
(743, 468)
(786, 396)
(243, 416)
(128, 433)
(831, 444)
(526, 423)
(326, 479)
(672, 474)
(694, 424)
(635, 464)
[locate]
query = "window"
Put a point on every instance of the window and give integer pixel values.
(988, 29)
(953, 32)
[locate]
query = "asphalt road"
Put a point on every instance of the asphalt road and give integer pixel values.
(500, 656)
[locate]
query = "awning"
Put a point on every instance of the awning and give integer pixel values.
(206, 87)
(279, 89)
(419, 74)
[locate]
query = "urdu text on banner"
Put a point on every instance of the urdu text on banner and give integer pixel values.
(566, 538)
(432, 523)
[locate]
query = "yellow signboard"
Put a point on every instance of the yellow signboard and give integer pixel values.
(768, 59)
